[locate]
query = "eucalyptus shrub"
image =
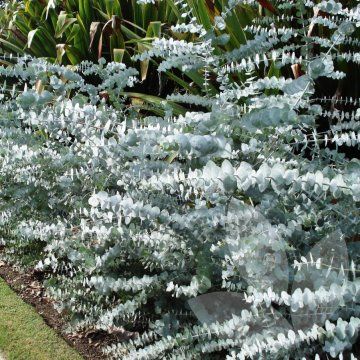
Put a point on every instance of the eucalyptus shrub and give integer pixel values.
(227, 232)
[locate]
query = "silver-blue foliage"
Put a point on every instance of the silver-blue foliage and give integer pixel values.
(139, 220)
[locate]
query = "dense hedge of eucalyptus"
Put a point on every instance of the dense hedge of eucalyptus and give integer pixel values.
(226, 231)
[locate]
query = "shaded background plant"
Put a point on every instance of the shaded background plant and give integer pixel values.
(69, 32)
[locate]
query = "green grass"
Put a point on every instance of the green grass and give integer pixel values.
(24, 334)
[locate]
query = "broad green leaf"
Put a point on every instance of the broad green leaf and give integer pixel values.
(51, 5)
(31, 37)
(156, 102)
(144, 64)
(119, 55)
(63, 23)
(60, 52)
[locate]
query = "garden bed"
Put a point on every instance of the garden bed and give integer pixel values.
(28, 287)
